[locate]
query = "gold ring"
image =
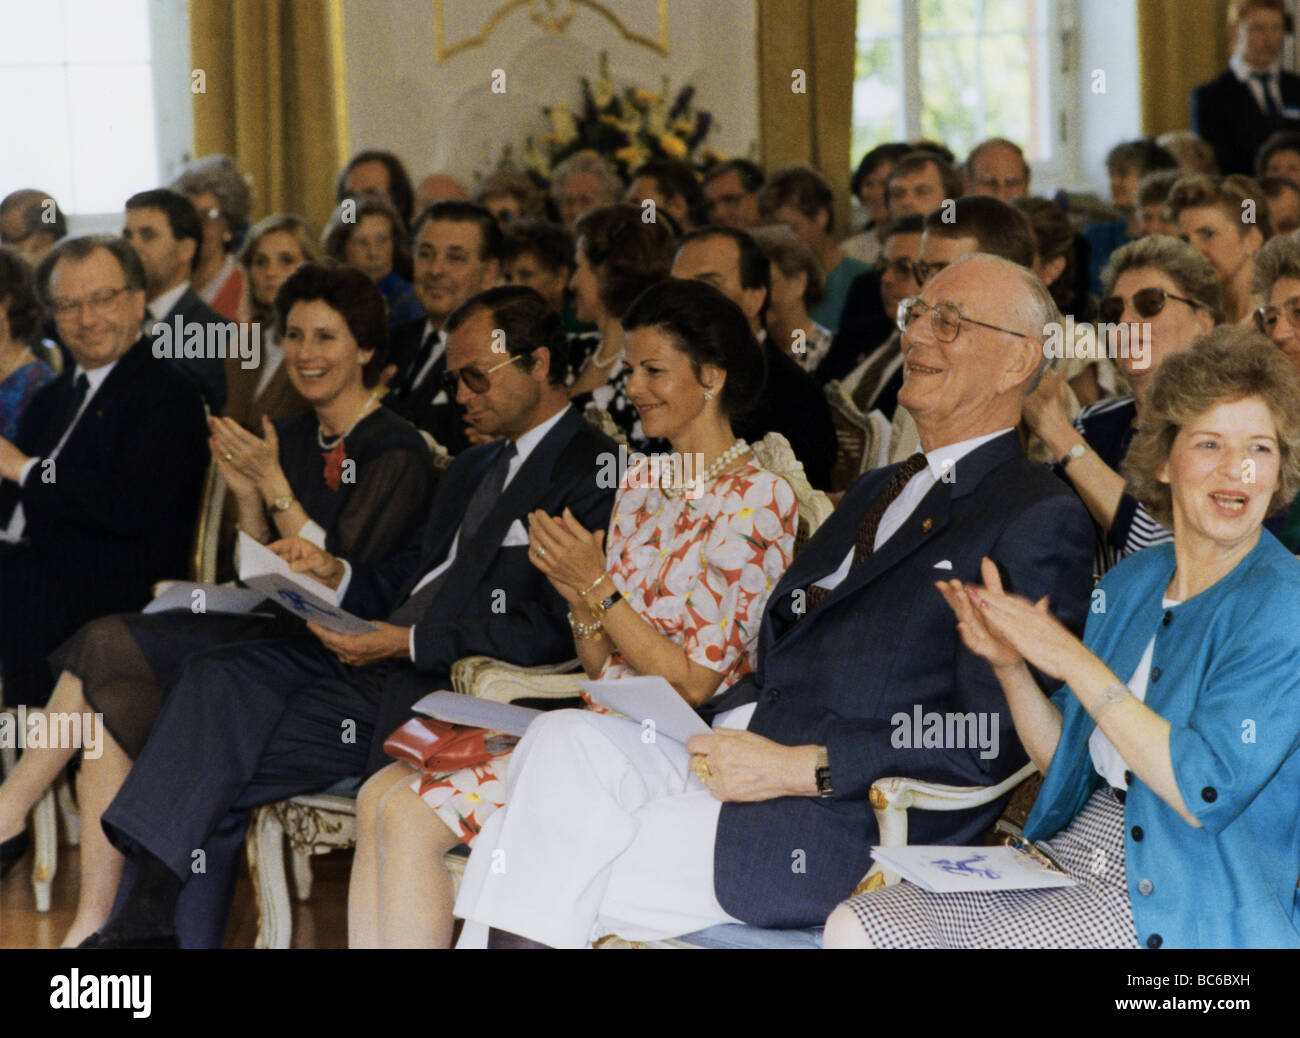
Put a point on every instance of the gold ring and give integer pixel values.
(541, 552)
(701, 767)
(228, 456)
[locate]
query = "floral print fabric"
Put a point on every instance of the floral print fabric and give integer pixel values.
(699, 568)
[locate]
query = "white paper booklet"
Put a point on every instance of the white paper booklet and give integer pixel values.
(455, 708)
(215, 598)
(649, 699)
(264, 570)
(945, 869)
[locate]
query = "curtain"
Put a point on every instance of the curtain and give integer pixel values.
(1181, 44)
(814, 126)
(270, 98)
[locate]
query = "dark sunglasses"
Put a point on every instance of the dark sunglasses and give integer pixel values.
(477, 381)
(1146, 301)
(1266, 317)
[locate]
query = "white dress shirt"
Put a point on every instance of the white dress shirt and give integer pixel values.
(937, 462)
(162, 305)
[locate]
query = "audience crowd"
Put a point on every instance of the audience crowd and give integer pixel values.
(1045, 456)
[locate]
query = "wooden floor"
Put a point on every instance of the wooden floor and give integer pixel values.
(318, 923)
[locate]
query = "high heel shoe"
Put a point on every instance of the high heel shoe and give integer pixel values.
(12, 851)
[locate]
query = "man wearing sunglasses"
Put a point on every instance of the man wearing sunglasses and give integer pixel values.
(464, 588)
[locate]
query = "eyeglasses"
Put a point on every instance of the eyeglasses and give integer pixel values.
(1146, 301)
(97, 301)
(923, 271)
(900, 268)
(945, 319)
(1013, 181)
(1266, 317)
(477, 381)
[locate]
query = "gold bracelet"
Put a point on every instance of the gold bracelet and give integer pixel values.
(592, 630)
(595, 585)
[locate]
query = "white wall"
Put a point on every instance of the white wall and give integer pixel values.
(443, 115)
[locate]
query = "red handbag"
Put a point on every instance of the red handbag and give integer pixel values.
(439, 746)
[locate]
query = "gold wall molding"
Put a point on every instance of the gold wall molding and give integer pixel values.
(553, 16)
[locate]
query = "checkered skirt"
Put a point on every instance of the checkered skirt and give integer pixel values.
(1094, 914)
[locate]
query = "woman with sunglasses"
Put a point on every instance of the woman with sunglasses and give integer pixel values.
(1159, 296)
(1171, 753)
(1277, 282)
(676, 589)
(348, 474)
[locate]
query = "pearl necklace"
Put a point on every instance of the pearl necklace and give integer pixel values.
(320, 433)
(719, 466)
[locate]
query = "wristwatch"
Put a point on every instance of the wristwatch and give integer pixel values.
(822, 772)
(1077, 451)
(599, 609)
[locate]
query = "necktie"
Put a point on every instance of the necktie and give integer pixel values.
(485, 496)
(421, 361)
(864, 543)
(1270, 106)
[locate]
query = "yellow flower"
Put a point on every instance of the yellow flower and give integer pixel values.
(612, 120)
(673, 146)
(683, 126)
(645, 97)
(631, 155)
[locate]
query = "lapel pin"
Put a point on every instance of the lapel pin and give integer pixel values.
(926, 524)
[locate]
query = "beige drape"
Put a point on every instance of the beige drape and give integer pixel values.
(815, 126)
(270, 97)
(1181, 44)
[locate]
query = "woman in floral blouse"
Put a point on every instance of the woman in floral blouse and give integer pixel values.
(695, 546)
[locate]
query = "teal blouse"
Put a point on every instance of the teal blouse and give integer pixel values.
(1225, 673)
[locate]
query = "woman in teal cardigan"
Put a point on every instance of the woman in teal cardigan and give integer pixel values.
(1172, 798)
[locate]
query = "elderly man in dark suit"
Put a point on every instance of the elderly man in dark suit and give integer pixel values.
(1253, 98)
(259, 722)
(766, 820)
(99, 491)
(164, 229)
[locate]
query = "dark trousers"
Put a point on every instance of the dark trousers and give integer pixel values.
(244, 725)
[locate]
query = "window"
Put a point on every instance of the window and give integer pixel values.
(956, 71)
(85, 98)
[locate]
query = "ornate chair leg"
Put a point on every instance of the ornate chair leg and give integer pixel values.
(46, 836)
(69, 816)
(265, 846)
(301, 863)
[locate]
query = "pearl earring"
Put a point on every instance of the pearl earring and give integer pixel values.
(708, 394)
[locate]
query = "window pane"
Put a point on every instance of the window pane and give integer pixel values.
(46, 163)
(950, 94)
(114, 153)
(877, 95)
(1007, 89)
(878, 18)
(948, 16)
(31, 34)
(108, 33)
(1009, 15)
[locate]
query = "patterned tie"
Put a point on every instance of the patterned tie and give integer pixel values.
(485, 495)
(865, 542)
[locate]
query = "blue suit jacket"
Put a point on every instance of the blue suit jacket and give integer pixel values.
(883, 642)
(1228, 681)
